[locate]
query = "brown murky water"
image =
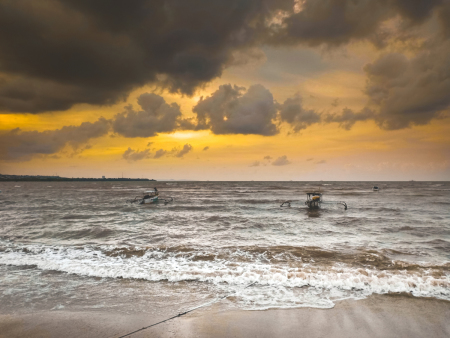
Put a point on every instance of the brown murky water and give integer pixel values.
(78, 245)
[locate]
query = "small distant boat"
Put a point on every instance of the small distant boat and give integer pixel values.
(375, 188)
(314, 201)
(151, 197)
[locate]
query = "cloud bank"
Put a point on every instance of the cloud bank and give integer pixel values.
(58, 53)
(155, 116)
(233, 110)
(136, 155)
(292, 112)
(132, 155)
(410, 91)
(22, 145)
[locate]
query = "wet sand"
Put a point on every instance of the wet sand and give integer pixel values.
(377, 316)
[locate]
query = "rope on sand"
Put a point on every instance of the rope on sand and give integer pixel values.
(183, 313)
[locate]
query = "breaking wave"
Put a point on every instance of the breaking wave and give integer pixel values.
(281, 282)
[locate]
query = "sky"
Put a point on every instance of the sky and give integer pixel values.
(226, 90)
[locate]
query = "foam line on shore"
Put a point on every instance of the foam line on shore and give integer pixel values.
(279, 284)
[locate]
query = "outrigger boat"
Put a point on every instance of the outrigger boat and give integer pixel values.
(151, 197)
(314, 201)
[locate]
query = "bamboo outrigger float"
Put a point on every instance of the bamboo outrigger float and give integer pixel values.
(314, 201)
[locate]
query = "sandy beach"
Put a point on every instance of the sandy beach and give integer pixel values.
(377, 316)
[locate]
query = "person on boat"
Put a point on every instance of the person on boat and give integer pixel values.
(151, 194)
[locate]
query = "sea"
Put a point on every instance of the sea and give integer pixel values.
(82, 246)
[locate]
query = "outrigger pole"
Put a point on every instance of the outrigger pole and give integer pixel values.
(288, 204)
(337, 202)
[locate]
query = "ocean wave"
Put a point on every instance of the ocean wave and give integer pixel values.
(313, 283)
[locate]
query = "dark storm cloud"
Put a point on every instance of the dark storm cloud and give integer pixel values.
(232, 110)
(337, 22)
(32, 95)
(444, 18)
(136, 155)
(404, 91)
(57, 53)
(60, 58)
(292, 112)
(22, 145)
(82, 51)
(416, 11)
(410, 91)
(186, 149)
(332, 22)
(155, 116)
(282, 160)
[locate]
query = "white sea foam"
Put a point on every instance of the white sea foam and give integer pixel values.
(278, 285)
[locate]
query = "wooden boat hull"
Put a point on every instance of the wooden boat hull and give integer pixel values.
(313, 204)
(150, 200)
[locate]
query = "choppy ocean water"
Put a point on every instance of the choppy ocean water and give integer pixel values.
(80, 245)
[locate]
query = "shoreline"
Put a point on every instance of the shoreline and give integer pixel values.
(64, 179)
(376, 316)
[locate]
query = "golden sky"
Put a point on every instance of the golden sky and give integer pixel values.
(331, 105)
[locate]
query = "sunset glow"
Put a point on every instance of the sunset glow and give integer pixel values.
(308, 97)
